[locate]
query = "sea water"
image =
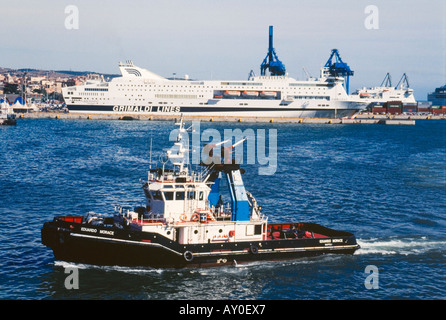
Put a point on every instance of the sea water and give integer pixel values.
(386, 184)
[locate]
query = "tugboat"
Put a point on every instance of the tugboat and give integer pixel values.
(186, 224)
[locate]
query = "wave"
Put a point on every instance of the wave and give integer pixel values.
(133, 270)
(401, 246)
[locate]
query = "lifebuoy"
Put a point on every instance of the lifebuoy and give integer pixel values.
(188, 256)
(195, 217)
(183, 217)
(254, 249)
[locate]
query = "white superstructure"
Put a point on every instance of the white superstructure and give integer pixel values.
(7, 115)
(387, 93)
(178, 202)
(140, 91)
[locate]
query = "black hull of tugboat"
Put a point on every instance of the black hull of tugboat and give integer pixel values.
(75, 242)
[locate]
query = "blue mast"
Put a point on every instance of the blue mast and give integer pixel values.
(229, 167)
(271, 61)
(239, 198)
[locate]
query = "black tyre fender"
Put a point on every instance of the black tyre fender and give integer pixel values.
(188, 256)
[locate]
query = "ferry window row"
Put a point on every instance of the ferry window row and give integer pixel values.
(95, 89)
(93, 98)
(163, 90)
(164, 86)
(310, 97)
(233, 85)
(241, 84)
(176, 96)
(310, 85)
(89, 94)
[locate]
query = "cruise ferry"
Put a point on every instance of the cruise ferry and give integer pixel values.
(272, 94)
(384, 93)
(140, 91)
(186, 222)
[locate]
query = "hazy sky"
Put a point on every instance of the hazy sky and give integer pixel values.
(209, 39)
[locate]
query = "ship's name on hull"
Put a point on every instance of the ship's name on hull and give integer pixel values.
(160, 109)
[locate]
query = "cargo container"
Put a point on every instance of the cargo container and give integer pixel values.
(394, 107)
(438, 109)
(379, 110)
(409, 109)
(424, 107)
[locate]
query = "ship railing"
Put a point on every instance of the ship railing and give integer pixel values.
(224, 216)
(259, 217)
(222, 213)
(123, 208)
(151, 221)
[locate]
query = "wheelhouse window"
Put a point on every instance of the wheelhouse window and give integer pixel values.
(191, 195)
(157, 195)
(168, 195)
(179, 195)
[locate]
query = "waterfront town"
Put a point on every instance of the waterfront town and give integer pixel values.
(41, 90)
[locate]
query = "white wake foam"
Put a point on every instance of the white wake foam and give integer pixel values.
(135, 270)
(403, 246)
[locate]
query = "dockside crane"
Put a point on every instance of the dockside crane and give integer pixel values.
(271, 61)
(403, 80)
(338, 68)
(387, 82)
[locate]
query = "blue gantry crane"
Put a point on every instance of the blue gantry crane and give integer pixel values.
(387, 82)
(338, 68)
(404, 80)
(271, 61)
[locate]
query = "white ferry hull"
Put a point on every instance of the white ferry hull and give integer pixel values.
(225, 111)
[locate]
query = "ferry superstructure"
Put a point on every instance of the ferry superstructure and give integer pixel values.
(387, 93)
(140, 91)
(380, 95)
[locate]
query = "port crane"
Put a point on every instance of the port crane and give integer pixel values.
(271, 61)
(338, 68)
(403, 80)
(387, 82)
